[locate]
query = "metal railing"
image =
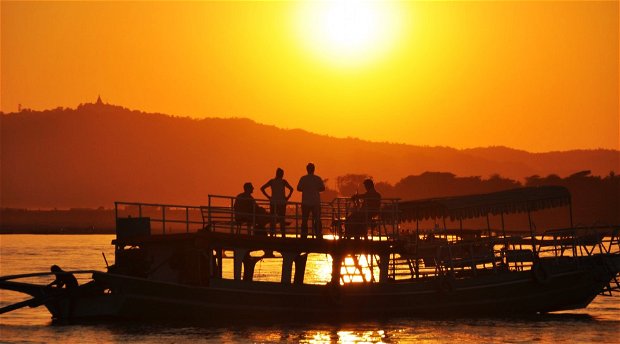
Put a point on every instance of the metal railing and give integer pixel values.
(440, 256)
(444, 254)
(170, 218)
(352, 218)
(335, 218)
(580, 241)
(339, 219)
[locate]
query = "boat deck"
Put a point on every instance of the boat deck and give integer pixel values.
(387, 249)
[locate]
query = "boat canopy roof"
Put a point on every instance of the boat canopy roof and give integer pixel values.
(472, 206)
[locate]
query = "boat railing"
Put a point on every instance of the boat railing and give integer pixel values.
(136, 218)
(220, 216)
(580, 241)
(434, 255)
(352, 219)
(465, 257)
(337, 219)
(139, 218)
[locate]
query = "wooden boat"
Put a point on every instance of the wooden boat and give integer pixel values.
(198, 263)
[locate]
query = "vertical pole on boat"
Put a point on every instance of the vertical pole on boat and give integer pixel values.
(287, 267)
(461, 227)
(139, 210)
(163, 219)
(488, 226)
(208, 254)
(417, 250)
(210, 225)
(187, 219)
(336, 266)
(253, 219)
(503, 226)
(296, 220)
(338, 218)
(116, 225)
(529, 220)
(504, 230)
(232, 215)
(570, 212)
(395, 218)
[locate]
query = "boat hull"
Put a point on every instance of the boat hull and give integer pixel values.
(563, 286)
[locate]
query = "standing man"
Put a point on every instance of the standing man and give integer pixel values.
(277, 200)
(311, 187)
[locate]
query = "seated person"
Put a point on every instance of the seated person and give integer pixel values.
(368, 206)
(248, 212)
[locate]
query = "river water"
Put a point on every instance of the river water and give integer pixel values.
(599, 323)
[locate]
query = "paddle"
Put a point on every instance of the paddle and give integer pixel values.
(34, 302)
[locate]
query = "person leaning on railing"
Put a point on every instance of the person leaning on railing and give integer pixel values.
(367, 206)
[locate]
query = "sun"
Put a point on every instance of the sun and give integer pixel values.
(349, 32)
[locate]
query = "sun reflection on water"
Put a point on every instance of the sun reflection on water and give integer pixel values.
(354, 269)
(345, 336)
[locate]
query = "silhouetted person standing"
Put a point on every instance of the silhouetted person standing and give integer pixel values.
(277, 200)
(311, 187)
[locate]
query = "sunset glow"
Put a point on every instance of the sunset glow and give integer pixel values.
(311, 171)
(525, 75)
(349, 33)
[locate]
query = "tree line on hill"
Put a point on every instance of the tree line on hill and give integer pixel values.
(99, 153)
(595, 199)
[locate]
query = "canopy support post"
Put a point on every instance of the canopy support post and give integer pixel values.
(570, 212)
(488, 226)
(529, 220)
(504, 231)
(417, 232)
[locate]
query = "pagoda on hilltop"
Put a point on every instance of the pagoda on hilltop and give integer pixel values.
(98, 105)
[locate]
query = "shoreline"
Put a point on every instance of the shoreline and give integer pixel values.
(52, 231)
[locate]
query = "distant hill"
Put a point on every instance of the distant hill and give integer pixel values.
(99, 153)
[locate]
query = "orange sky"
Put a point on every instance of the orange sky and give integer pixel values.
(538, 76)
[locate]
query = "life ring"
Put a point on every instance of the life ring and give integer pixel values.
(540, 274)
